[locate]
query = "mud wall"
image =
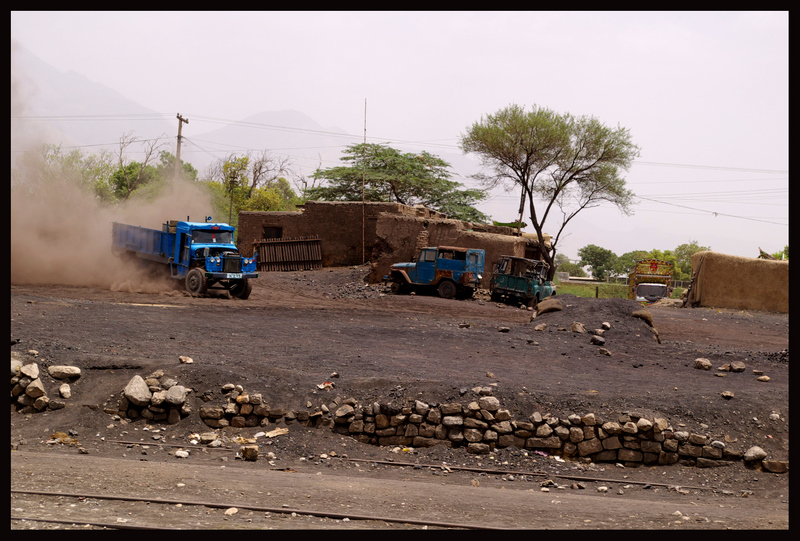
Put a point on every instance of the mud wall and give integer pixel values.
(742, 283)
(343, 227)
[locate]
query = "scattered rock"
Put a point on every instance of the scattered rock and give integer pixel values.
(754, 453)
(578, 327)
(702, 364)
(776, 466)
(64, 372)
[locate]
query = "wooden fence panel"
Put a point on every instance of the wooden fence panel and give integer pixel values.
(289, 254)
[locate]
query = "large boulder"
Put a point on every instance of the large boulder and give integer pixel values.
(137, 391)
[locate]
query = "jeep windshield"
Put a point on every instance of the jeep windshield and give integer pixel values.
(205, 236)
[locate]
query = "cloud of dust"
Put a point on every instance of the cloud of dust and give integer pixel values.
(62, 235)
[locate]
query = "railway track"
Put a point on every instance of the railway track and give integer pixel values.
(80, 492)
(84, 518)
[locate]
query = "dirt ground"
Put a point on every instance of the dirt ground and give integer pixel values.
(300, 329)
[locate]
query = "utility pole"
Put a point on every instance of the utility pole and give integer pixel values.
(363, 183)
(181, 120)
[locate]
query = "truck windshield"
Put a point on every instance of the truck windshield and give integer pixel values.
(212, 237)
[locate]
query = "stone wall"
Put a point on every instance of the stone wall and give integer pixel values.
(479, 425)
(482, 425)
(29, 393)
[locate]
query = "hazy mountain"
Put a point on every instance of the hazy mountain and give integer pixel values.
(48, 105)
(67, 108)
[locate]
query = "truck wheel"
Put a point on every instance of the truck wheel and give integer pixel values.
(196, 282)
(241, 290)
(447, 289)
(532, 303)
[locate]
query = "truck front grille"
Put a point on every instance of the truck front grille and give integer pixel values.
(232, 264)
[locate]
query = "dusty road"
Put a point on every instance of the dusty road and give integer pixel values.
(297, 329)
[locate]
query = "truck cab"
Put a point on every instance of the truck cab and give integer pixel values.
(451, 271)
(520, 280)
(206, 256)
(650, 280)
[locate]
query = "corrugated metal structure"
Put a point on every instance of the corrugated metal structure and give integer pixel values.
(289, 254)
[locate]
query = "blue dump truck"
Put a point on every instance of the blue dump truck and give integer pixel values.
(520, 280)
(201, 254)
(451, 271)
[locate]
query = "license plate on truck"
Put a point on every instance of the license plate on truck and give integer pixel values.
(234, 275)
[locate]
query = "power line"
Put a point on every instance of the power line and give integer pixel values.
(712, 167)
(710, 211)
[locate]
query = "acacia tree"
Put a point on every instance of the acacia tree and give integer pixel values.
(564, 162)
(381, 173)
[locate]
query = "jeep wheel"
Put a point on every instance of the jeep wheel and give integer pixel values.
(447, 289)
(400, 289)
(196, 282)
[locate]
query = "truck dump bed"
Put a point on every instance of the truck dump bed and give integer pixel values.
(146, 243)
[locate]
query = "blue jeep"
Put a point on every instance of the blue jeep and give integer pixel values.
(520, 280)
(451, 271)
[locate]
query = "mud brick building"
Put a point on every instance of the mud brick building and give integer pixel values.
(352, 233)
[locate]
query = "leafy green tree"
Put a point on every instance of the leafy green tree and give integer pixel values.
(165, 168)
(125, 180)
(783, 254)
(380, 173)
(599, 260)
(248, 183)
(567, 163)
(625, 263)
(683, 259)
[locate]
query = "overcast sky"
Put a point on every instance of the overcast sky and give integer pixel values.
(704, 94)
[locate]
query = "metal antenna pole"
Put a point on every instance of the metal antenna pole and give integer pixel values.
(363, 189)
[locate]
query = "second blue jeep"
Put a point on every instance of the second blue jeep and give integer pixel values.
(451, 271)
